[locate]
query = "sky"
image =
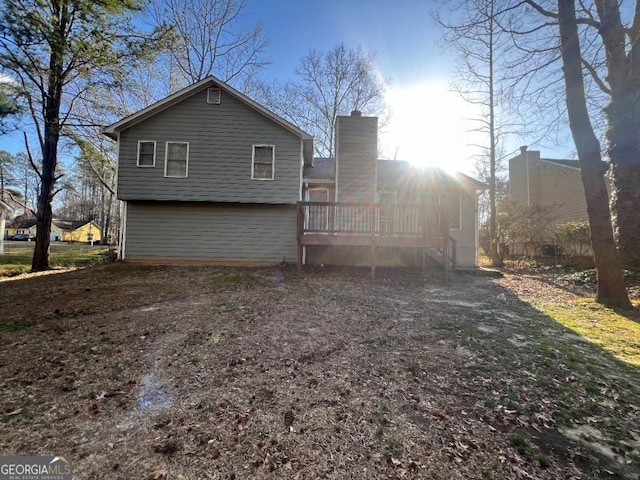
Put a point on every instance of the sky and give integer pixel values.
(429, 124)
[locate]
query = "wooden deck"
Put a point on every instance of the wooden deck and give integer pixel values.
(376, 225)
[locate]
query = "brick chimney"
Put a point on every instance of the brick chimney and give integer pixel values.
(356, 157)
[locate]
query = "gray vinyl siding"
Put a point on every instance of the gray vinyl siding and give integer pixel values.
(205, 231)
(220, 139)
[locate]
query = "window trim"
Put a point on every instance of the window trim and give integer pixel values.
(166, 158)
(253, 162)
(155, 151)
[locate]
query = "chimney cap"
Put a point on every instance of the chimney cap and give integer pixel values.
(523, 148)
(356, 113)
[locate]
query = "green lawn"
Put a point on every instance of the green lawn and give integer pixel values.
(614, 332)
(17, 258)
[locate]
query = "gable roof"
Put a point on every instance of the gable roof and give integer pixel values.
(127, 122)
(72, 224)
(27, 223)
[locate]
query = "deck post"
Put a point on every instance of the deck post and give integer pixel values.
(300, 226)
(423, 227)
(373, 242)
(445, 258)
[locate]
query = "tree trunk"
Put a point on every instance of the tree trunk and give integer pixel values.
(623, 122)
(494, 254)
(51, 136)
(623, 135)
(611, 288)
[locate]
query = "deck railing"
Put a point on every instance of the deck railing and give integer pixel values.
(366, 218)
(375, 224)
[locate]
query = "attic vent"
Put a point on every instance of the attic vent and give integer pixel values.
(213, 96)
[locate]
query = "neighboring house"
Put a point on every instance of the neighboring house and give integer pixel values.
(77, 231)
(24, 227)
(210, 156)
(61, 230)
(548, 182)
(28, 227)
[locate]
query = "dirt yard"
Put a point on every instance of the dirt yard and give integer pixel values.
(211, 373)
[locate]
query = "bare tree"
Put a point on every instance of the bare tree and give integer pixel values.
(55, 49)
(210, 39)
(475, 34)
(611, 288)
(328, 84)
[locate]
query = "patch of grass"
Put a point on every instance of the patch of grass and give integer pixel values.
(384, 406)
(490, 402)
(414, 368)
(615, 333)
(17, 260)
(543, 460)
(214, 338)
(12, 270)
(592, 388)
(15, 326)
(520, 444)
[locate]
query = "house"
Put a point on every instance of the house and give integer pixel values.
(553, 184)
(23, 227)
(61, 230)
(5, 211)
(77, 231)
(548, 182)
(210, 156)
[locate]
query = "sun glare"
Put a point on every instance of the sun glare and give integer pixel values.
(429, 126)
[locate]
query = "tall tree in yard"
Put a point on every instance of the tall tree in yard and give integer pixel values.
(611, 288)
(210, 38)
(328, 84)
(55, 50)
(472, 29)
(622, 46)
(612, 30)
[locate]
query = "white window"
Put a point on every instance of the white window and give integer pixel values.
(146, 153)
(263, 163)
(213, 96)
(176, 159)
